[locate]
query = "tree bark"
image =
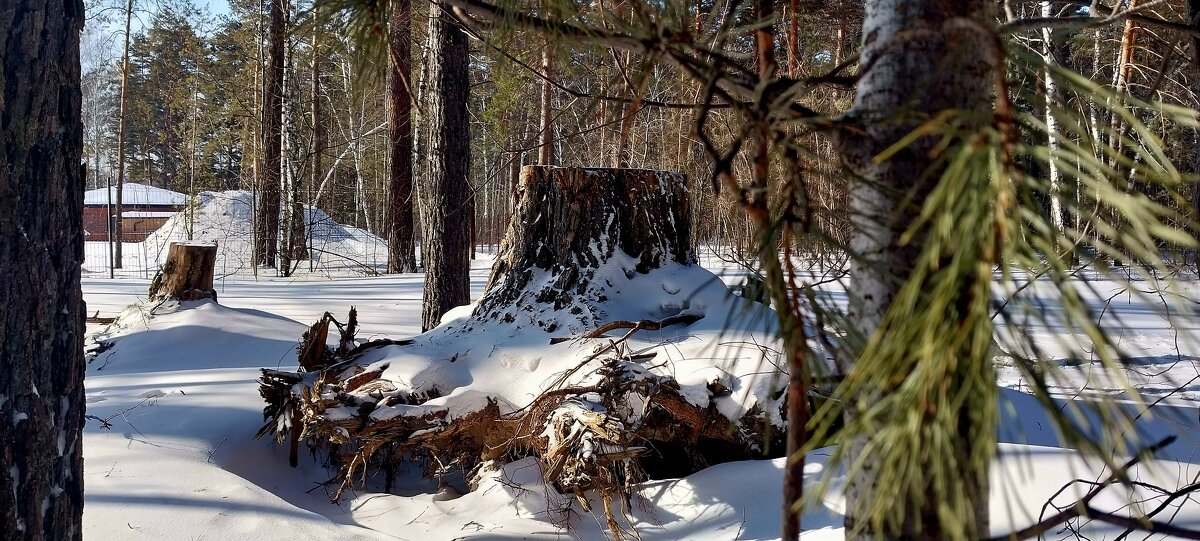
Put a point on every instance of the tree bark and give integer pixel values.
(266, 222)
(546, 108)
(402, 255)
(446, 244)
(41, 249)
(1121, 75)
(187, 274)
(1049, 50)
(116, 221)
(570, 221)
(292, 248)
(927, 57)
(1194, 15)
(317, 170)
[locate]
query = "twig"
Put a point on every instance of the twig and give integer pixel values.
(643, 325)
(1083, 508)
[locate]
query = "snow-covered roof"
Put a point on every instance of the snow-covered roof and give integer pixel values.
(135, 194)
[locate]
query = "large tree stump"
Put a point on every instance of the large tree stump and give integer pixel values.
(569, 222)
(188, 273)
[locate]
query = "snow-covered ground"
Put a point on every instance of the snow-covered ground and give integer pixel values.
(179, 460)
(227, 219)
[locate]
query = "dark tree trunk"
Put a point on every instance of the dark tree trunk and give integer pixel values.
(317, 171)
(570, 221)
(1194, 15)
(266, 222)
(446, 243)
(41, 249)
(116, 221)
(402, 255)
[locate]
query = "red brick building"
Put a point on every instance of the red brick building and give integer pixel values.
(145, 209)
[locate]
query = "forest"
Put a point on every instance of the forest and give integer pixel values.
(689, 269)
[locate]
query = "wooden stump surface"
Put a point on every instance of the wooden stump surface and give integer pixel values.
(570, 220)
(187, 274)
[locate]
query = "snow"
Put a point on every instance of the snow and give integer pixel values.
(227, 219)
(134, 194)
(179, 386)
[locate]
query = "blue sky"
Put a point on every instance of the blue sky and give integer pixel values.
(216, 7)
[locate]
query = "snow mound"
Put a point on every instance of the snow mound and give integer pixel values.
(227, 219)
(726, 361)
(175, 335)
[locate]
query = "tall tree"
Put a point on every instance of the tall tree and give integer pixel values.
(402, 255)
(1050, 84)
(445, 245)
(266, 218)
(946, 65)
(1194, 15)
(546, 107)
(117, 225)
(41, 249)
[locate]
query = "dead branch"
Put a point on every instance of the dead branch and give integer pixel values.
(643, 325)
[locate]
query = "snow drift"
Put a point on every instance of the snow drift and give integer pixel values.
(227, 219)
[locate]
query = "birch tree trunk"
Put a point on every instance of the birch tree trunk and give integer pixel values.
(926, 57)
(41, 249)
(1051, 94)
(292, 247)
(546, 109)
(446, 241)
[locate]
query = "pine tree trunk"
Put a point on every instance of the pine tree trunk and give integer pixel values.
(1121, 75)
(446, 243)
(41, 249)
(925, 59)
(569, 221)
(266, 221)
(116, 221)
(316, 172)
(402, 255)
(1194, 15)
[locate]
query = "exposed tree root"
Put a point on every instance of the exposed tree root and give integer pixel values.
(594, 437)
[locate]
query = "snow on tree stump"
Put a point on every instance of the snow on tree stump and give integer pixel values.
(578, 240)
(188, 273)
(571, 221)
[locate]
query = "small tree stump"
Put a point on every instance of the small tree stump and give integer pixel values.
(571, 221)
(188, 273)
